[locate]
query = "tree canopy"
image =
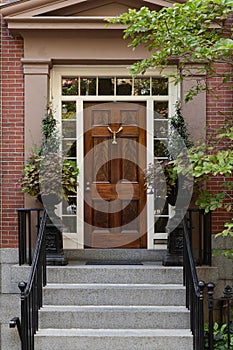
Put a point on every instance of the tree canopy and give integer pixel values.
(190, 33)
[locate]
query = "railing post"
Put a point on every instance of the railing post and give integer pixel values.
(207, 239)
(22, 236)
(210, 292)
(24, 323)
(228, 296)
(201, 286)
(29, 237)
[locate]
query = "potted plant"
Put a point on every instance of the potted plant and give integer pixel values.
(51, 177)
(172, 186)
(46, 171)
(162, 176)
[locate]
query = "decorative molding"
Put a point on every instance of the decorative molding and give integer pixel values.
(18, 24)
(36, 66)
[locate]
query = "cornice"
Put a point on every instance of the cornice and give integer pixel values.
(56, 23)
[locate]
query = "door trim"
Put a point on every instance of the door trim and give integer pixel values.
(118, 70)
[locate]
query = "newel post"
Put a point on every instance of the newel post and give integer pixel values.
(210, 292)
(24, 321)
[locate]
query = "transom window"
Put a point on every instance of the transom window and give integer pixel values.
(114, 86)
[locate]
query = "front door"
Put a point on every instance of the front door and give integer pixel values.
(115, 157)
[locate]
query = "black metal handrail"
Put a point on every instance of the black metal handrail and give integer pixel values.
(28, 229)
(31, 292)
(194, 291)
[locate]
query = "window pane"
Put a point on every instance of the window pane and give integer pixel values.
(69, 86)
(161, 110)
(124, 86)
(69, 207)
(160, 225)
(88, 86)
(69, 223)
(160, 148)
(159, 86)
(69, 128)
(141, 86)
(69, 148)
(68, 110)
(160, 128)
(106, 86)
(160, 206)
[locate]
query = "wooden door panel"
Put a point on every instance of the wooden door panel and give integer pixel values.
(115, 198)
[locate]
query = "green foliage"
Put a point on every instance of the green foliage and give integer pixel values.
(227, 232)
(208, 160)
(178, 135)
(220, 337)
(164, 178)
(30, 175)
(184, 33)
(46, 171)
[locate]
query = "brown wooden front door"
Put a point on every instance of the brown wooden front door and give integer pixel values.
(115, 156)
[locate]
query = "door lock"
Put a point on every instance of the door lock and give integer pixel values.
(88, 188)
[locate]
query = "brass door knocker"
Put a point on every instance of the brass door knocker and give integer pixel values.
(114, 141)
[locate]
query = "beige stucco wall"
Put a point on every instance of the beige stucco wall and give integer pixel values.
(194, 111)
(77, 45)
(85, 47)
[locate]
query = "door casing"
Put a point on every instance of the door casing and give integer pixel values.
(115, 159)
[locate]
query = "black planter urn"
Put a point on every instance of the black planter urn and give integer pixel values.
(53, 232)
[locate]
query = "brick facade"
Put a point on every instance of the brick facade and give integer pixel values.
(219, 110)
(12, 135)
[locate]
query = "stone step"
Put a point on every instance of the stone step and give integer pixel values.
(117, 339)
(114, 317)
(112, 294)
(122, 305)
(115, 274)
(155, 255)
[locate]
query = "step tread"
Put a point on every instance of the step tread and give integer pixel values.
(113, 308)
(116, 267)
(113, 332)
(112, 285)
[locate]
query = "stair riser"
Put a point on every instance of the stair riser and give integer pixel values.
(121, 254)
(113, 319)
(110, 296)
(116, 343)
(115, 275)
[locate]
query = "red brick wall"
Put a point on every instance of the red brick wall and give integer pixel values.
(12, 135)
(218, 111)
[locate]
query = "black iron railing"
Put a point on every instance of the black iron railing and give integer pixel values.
(200, 233)
(28, 229)
(219, 332)
(31, 292)
(194, 291)
(198, 294)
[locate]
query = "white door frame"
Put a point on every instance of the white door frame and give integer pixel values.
(56, 98)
